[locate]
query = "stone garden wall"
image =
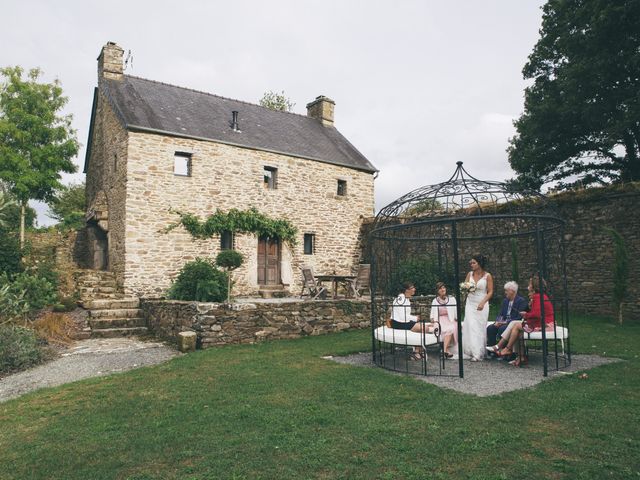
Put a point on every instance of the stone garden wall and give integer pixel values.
(216, 324)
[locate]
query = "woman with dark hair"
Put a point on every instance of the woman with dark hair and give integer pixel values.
(444, 311)
(532, 323)
(479, 285)
(403, 319)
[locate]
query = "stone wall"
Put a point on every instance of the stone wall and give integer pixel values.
(59, 250)
(225, 177)
(216, 324)
(106, 182)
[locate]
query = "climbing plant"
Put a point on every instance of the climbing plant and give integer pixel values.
(620, 270)
(239, 221)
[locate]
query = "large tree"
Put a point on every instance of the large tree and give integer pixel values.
(68, 206)
(581, 120)
(37, 143)
(277, 101)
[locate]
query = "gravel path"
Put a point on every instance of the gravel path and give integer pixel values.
(85, 359)
(490, 377)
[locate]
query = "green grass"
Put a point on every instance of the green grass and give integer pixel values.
(277, 410)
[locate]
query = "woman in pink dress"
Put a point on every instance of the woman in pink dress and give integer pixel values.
(444, 311)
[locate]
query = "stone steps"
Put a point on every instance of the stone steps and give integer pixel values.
(116, 313)
(108, 304)
(118, 332)
(116, 323)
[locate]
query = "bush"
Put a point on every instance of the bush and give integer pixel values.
(9, 253)
(19, 348)
(36, 291)
(422, 271)
(13, 305)
(229, 259)
(67, 304)
(201, 281)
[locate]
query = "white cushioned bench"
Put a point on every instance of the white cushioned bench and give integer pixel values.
(404, 337)
(560, 334)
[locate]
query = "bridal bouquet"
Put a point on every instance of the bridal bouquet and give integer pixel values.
(467, 287)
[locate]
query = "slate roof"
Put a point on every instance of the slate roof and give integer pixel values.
(154, 106)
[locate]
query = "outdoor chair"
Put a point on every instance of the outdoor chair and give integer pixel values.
(361, 282)
(310, 283)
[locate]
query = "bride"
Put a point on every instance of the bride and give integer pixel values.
(476, 310)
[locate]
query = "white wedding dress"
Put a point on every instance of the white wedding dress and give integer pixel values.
(474, 327)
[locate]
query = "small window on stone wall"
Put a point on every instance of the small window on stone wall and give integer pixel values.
(309, 243)
(182, 164)
(226, 240)
(342, 188)
(270, 178)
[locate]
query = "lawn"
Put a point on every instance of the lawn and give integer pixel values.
(278, 410)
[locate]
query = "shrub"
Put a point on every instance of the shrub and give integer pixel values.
(422, 271)
(19, 348)
(13, 305)
(38, 292)
(9, 253)
(201, 281)
(56, 328)
(229, 259)
(67, 304)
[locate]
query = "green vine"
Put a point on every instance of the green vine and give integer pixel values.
(237, 221)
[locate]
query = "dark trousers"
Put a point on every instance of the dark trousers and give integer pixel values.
(493, 332)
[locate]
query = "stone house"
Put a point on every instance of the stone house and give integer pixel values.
(155, 147)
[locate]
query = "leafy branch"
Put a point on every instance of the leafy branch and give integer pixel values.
(237, 221)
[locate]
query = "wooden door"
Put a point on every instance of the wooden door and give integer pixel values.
(268, 261)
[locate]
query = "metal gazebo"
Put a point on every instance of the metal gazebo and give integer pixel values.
(430, 232)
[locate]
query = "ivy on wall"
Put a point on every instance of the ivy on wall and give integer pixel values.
(237, 221)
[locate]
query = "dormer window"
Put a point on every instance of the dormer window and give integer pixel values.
(270, 178)
(342, 188)
(182, 164)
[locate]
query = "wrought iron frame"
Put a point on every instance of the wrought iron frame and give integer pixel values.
(450, 214)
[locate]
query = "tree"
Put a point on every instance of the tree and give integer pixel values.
(581, 120)
(620, 270)
(229, 260)
(276, 101)
(68, 206)
(37, 143)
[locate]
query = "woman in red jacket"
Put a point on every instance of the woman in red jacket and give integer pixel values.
(532, 322)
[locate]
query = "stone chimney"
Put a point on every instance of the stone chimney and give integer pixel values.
(110, 62)
(321, 109)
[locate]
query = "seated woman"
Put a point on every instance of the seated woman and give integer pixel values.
(532, 323)
(510, 310)
(403, 319)
(444, 311)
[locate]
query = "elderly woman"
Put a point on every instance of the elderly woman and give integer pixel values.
(532, 322)
(403, 319)
(510, 310)
(444, 311)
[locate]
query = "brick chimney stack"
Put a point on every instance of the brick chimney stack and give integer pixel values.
(322, 109)
(110, 62)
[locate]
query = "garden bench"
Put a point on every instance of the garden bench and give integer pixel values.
(395, 336)
(560, 335)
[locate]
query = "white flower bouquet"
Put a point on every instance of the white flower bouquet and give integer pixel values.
(467, 287)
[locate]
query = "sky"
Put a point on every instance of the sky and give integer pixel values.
(418, 85)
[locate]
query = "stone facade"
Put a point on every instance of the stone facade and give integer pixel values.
(131, 187)
(106, 187)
